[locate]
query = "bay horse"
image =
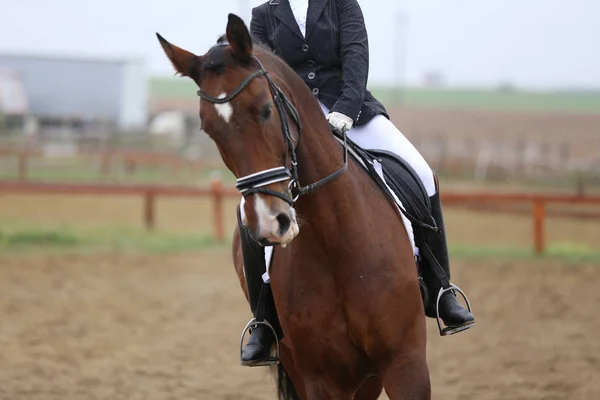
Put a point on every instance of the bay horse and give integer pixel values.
(343, 272)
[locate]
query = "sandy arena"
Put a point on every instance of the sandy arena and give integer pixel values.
(167, 327)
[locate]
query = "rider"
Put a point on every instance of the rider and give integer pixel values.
(326, 43)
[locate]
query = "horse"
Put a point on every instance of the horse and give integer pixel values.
(342, 272)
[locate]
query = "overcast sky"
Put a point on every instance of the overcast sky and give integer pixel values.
(532, 43)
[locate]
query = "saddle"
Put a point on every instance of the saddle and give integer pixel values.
(403, 187)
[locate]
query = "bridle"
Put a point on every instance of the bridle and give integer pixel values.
(257, 182)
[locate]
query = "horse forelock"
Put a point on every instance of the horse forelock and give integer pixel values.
(222, 39)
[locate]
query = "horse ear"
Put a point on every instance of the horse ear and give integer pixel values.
(184, 62)
(239, 38)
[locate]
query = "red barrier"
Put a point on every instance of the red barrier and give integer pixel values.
(148, 192)
(537, 201)
(218, 193)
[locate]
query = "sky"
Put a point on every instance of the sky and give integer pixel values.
(534, 44)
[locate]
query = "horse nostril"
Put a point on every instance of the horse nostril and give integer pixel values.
(284, 223)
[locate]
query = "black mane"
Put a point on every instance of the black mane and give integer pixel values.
(222, 39)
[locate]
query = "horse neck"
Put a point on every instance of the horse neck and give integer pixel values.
(319, 155)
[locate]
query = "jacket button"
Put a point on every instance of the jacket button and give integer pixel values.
(311, 75)
(315, 91)
(311, 63)
(304, 47)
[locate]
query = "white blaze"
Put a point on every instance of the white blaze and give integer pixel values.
(225, 110)
(267, 221)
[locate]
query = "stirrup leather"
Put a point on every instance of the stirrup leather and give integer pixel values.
(451, 330)
(273, 360)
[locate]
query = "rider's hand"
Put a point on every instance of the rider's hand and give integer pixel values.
(339, 121)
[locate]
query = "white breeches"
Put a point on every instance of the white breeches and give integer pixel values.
(381, 134)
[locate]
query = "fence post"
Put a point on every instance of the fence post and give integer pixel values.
(217, 192)
(538, 226)
(149, 220)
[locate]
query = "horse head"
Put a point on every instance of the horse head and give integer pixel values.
(253, 124)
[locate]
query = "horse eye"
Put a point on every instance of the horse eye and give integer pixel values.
(265, 112)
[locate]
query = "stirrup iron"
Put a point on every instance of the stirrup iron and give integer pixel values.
(451, 330)
(272, 360)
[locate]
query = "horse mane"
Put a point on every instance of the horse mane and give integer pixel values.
(222, 39)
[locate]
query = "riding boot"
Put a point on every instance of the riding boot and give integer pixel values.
(451, 311)
(266, 331)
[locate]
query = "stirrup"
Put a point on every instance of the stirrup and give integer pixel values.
(272, 360)
(451, 330)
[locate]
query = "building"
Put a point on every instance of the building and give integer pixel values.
(87, 90)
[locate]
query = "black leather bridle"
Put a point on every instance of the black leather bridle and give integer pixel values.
(257, 182)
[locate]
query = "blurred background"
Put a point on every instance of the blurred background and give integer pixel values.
(116, 211)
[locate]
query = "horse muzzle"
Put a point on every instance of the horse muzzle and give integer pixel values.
(277, 229)
(271, 221)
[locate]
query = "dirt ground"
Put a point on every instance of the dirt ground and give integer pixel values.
(147, 327)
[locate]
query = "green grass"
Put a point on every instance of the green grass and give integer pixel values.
(29, 238)
(571, 252)
(480, 99)
(570, 102)
(128, 240)
(173, 88)
(80, 171)
(114, 239)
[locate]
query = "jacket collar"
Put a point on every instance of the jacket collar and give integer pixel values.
(283, 11)
(315, 9)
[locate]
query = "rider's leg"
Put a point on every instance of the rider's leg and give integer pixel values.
(257, 350)
(380, 133)
(451, 311)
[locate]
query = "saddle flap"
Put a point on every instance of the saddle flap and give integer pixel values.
(399, 177)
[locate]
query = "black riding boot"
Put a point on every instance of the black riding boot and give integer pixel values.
(257, 351)
(451, 311)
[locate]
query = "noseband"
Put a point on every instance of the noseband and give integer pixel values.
(257, 182)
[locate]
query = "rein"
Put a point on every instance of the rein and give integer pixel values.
(257, 182)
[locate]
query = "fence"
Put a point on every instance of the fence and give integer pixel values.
(538, 204)
(107, 159)
(497, 159)
(217, 191)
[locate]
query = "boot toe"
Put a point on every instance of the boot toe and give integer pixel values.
(255, 352)
(453, 313)
(459, 317)
(258, 347)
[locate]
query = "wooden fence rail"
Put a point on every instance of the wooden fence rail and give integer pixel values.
(537, 201)
(149, 192)
(218, 192)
